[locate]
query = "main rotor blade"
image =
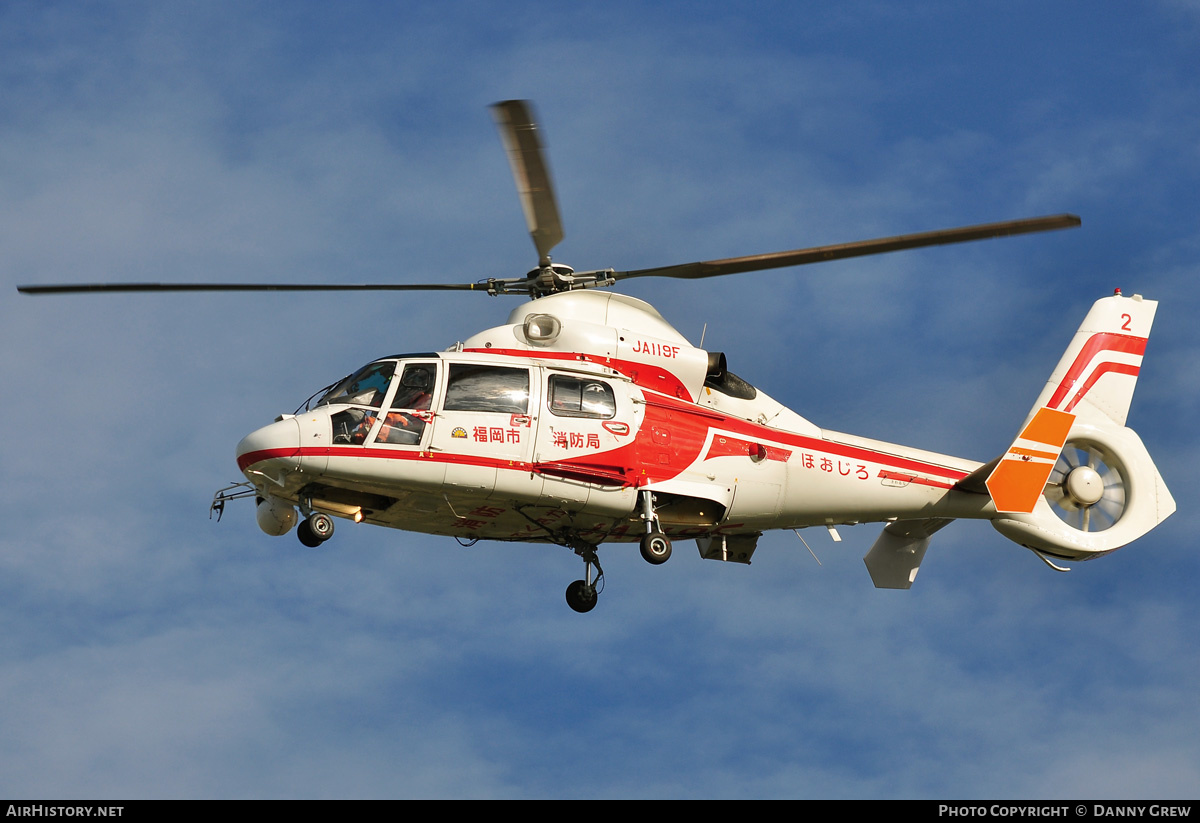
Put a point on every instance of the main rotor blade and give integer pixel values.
(819, 254)
(514, 118)
(79, 288)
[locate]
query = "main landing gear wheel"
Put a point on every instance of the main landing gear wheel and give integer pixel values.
(315, 529)
(581, 597)
(656, 548)
(321, 525)
(583, 594)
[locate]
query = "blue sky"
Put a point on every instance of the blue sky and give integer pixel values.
(150, 652)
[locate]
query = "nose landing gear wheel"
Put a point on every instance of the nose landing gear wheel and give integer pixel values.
(306, 536)
(321, 525)
(581, 597)
(582, 594)
(656, 548)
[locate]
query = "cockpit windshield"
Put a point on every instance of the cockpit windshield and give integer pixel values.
(366, 387)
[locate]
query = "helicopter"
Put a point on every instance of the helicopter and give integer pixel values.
(586, 419)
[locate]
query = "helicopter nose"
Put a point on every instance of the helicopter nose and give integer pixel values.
(278, 441)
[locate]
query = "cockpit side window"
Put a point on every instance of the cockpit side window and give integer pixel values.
(575, 397)
(416, 387)
(414, 394)
(487, 388)
(366, 387)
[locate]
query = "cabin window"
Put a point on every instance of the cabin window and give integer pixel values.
(487, 389)
(575, 397)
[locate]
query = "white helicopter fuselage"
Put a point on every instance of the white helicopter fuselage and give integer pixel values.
(550, 425)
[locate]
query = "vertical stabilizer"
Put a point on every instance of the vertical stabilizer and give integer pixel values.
(1096, 376)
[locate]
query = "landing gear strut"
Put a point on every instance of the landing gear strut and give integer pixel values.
(656, 546)
(582, 594)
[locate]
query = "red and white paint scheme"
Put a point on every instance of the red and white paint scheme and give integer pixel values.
(588, 419)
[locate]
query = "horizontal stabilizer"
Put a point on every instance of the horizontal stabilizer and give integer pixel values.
(732, 548)
(896, 556)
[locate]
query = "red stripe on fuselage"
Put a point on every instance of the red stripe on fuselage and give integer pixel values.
(248, 459)
(722, 446)
(686, 427)
(884, 474)
(757, 431)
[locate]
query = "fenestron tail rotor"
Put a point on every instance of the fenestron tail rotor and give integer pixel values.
(1087, 488)
(519, 131)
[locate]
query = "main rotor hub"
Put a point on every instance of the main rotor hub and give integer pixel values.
(550, 278)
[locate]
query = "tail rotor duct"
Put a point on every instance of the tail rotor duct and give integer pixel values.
(1087, 488)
